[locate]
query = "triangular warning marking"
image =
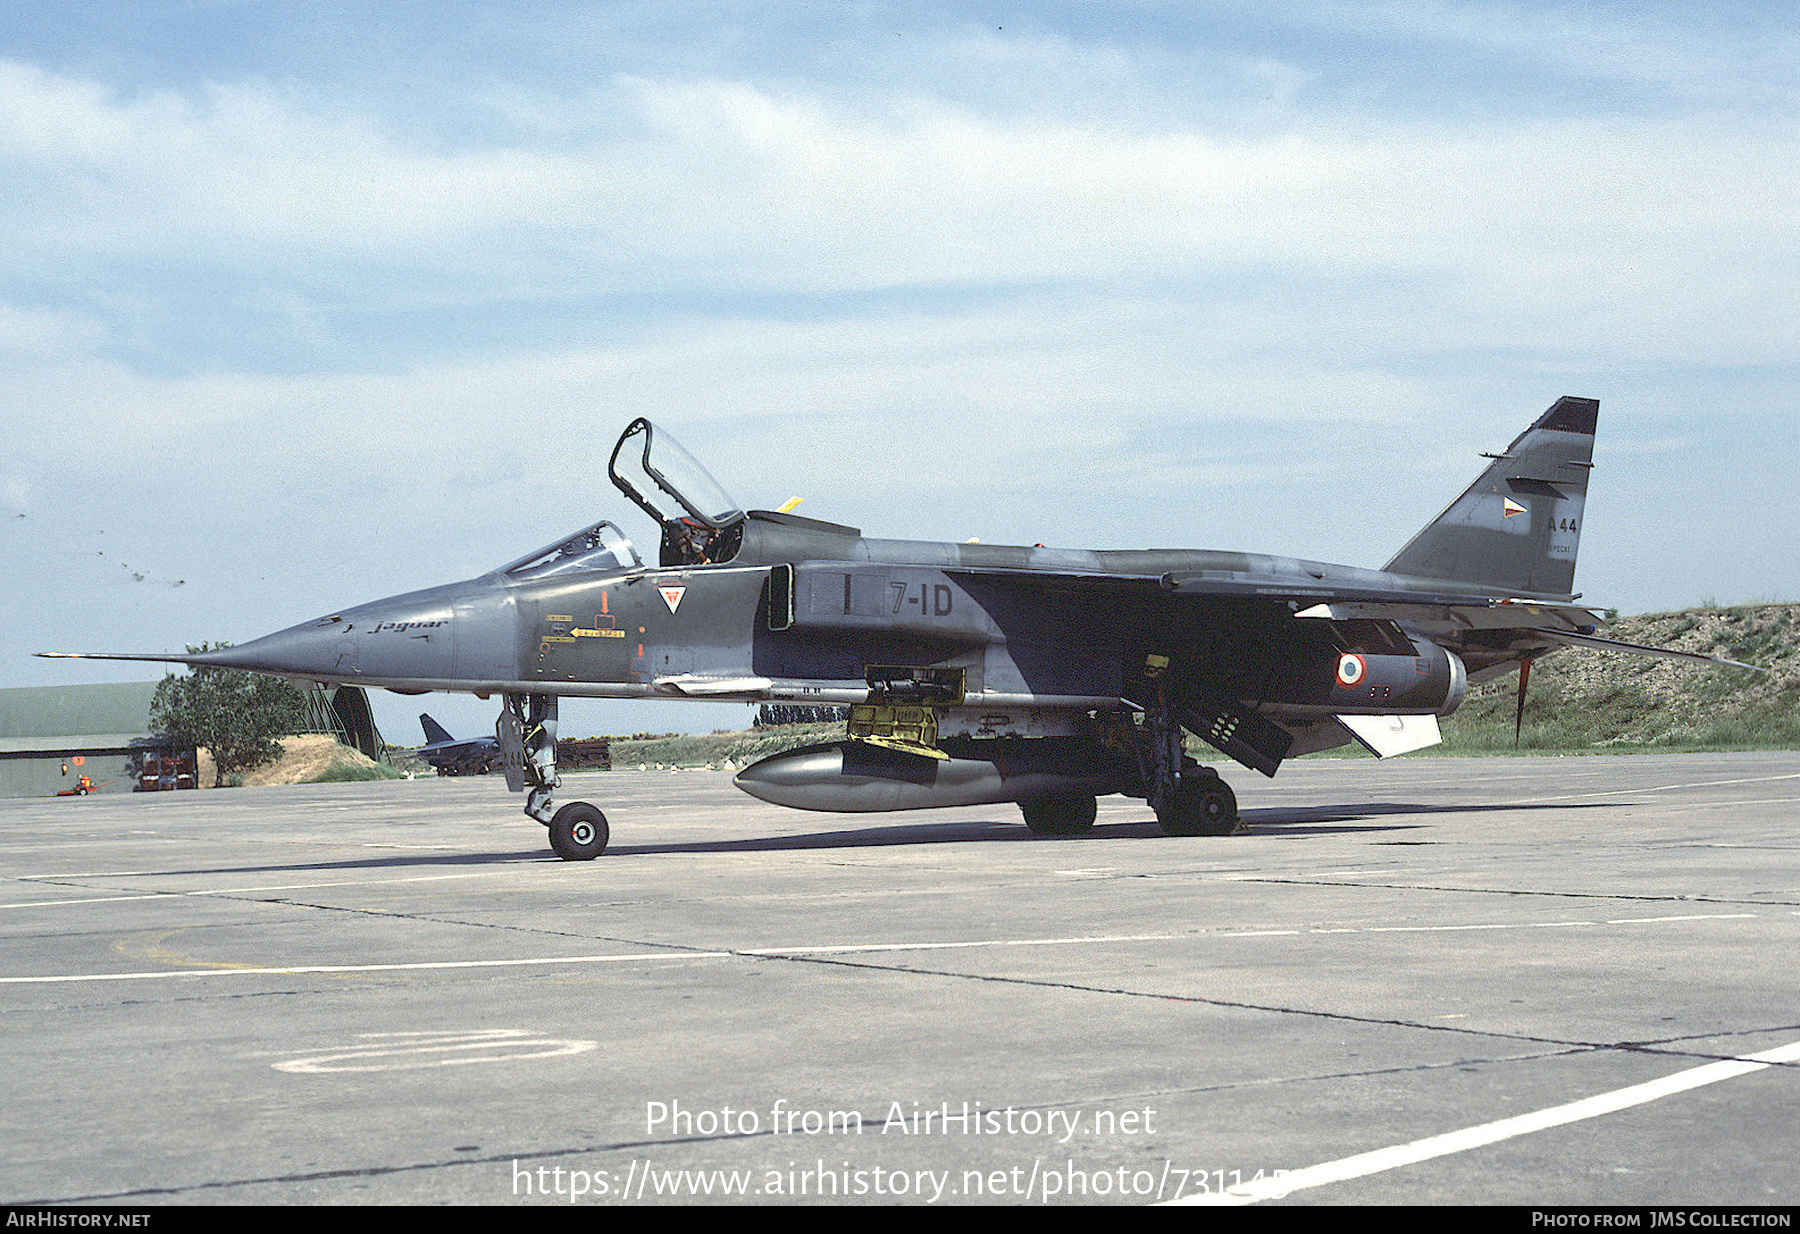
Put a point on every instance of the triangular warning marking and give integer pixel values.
(1512, 507)
(672, 596)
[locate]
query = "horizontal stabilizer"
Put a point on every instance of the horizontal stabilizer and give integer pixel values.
(1638, 649)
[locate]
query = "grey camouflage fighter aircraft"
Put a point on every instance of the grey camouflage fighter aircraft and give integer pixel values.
(982, 673)
(470, 756)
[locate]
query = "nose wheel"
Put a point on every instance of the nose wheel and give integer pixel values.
(527, 733)
(578, 832)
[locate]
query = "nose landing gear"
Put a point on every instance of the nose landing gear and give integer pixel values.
(527, 733)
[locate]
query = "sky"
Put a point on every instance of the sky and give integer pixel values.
(305, 304)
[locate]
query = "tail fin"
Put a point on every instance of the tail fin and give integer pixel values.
(1517, 527)
(434, 732)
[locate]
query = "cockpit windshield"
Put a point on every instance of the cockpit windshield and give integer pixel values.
(649, 467)
(600, 547)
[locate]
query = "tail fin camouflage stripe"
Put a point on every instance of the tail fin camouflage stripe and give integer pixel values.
(1516, 529)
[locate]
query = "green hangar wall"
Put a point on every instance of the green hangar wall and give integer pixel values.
(51, 736)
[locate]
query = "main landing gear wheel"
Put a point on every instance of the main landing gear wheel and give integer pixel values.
(1203, 805)
(579, 832)
(1060, 816)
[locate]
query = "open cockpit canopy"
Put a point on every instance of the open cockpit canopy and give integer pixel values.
(701, 524)
(652, 469)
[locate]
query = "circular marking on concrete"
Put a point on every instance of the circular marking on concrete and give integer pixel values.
(411, 1051)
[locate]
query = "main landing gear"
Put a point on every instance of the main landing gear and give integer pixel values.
(1070, 815)
(527, 733)
(1201, 805)
(1189, 799)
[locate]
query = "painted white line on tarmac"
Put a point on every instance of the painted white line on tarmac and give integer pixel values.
(853, 948)
(88, 900)
(419, 966)
(1663, 788)
(1383, 1159)
(234, 970)
(242, 891)
(1498, 925)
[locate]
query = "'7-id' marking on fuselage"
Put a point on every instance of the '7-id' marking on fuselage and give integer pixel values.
(936, 600)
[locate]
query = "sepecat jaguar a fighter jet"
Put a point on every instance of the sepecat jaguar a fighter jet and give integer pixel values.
(978, 673)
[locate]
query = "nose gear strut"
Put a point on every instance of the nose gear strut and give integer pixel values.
(526, 731)
(527, 734)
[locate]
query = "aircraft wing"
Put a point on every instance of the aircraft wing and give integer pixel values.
(468, 745)
(1458, 620)
(1366, 595)
(1488, 633)
(1319, 589)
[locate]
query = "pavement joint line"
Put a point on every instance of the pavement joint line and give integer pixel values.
(290, 970)
(229, 891)
(681, 951)
(1296, 881)
(377, 1171)
(1630, 1047)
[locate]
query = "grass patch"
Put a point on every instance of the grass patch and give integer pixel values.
(1582, 700)
(345, 771)
(717, 749)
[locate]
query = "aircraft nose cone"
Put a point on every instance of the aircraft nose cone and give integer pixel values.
(405, 641)
(302, 651)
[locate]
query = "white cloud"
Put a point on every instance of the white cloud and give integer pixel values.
(1572, 232)
(235, 166)
(29, 334)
